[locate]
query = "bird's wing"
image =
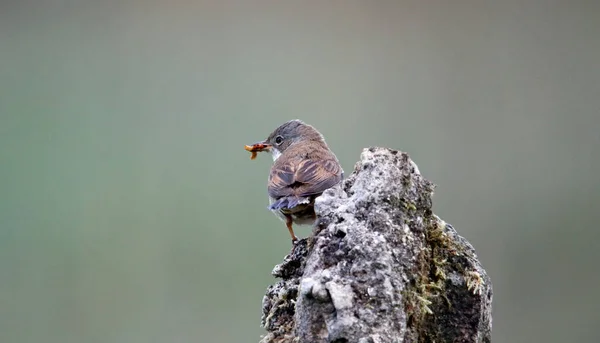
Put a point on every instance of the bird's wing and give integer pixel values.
(303, 177)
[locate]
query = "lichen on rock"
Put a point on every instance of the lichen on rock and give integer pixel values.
(379, 267)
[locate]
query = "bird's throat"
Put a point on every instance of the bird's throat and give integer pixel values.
(275, 153)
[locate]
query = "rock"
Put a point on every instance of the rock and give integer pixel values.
(380, 267)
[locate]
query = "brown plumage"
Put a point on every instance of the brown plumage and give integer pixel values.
(304, 167)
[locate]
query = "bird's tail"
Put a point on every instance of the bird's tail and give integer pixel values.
(287, 203)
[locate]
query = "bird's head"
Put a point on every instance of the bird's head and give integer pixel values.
(286, 135)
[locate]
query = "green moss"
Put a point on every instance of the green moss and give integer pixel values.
(429, 284)
(474, 282)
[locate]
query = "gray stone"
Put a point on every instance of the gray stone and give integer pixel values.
(380, 267)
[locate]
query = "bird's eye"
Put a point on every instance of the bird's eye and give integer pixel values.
(278, 140)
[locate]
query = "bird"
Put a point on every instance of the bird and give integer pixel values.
(303, 168)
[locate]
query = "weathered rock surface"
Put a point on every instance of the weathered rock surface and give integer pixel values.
(380, 267)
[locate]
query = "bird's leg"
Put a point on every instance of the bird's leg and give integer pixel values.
(288, 223)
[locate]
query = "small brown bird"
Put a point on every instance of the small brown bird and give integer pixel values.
(303, 169)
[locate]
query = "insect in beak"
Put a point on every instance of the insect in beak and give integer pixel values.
(255, 148)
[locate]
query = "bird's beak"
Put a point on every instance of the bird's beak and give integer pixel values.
(257, 147)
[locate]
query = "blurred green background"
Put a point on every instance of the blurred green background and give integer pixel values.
(129, 211)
